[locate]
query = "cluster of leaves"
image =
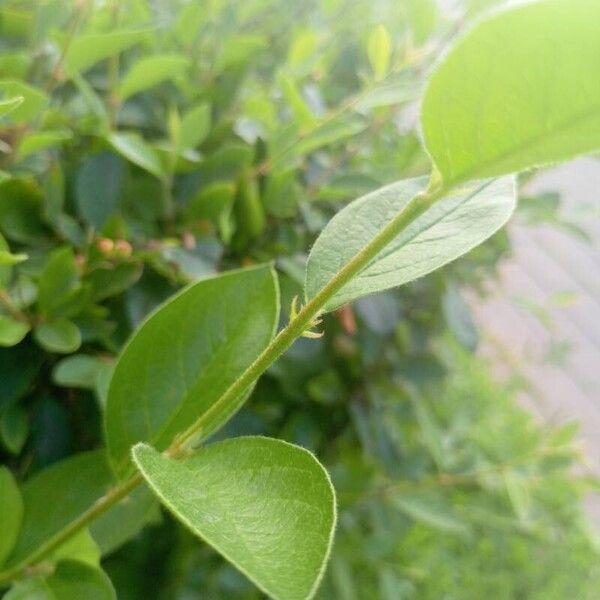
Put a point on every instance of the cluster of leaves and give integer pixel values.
(149, 145)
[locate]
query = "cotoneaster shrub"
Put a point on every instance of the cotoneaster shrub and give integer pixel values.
(148, 146)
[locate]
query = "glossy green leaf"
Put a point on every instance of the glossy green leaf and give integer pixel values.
(195, 125)
(150, 71)
(135, 149)
(59, 335)
(11, 512)
(185, 356)
(449, 229)
(267, 506)
(69, 487)
(518, 91)
(379, 48)
(98, 188)
(86, 50)
(72, 580)
(12, 331)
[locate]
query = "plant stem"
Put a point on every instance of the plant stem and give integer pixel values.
(99, 507)
(284, 339)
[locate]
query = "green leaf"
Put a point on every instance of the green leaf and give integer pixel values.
(267, 506)
(81, 547)
(185, 356)
(150, 71)
(98, 188)
(6, 258)
(304, 116)
(69, 487)
(79, 371)
(71, 581)
(11, 331)
(195, 125)
(41, 140)
(14, 428)
(11, 513)
(431, 509)
(7, 106)
(450, 228)
(135, 149)
(59, 284)
(116, 526)
(33, 100)
(518, 91)
(239, 49)
(85, 51)
(379, 49)
(59, 335)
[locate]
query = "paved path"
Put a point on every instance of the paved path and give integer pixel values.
(545, 315)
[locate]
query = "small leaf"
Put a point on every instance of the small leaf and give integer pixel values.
(379, 48)
(11, 512)
(518, 91)
(450, 228)
(98, 188)
(135, 149)
(59, 283)
(11, 331)
(6, 258)
(431, 509)
(7, 106)
(267, 506)
(85, 51)
(14, 428)
(79, 371)
(150, 71)
(59, 335)
(185, 356)
(41, 140)
(195, 125)
(33, 100)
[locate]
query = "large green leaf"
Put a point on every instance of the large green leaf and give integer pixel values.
(450, 228)
(185, 356)
(150, 71)
(518, 91)
(11, 512)
(265, 505)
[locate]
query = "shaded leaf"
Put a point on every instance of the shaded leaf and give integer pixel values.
(11, 512)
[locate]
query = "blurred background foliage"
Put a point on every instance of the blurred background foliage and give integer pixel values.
(162, 141)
